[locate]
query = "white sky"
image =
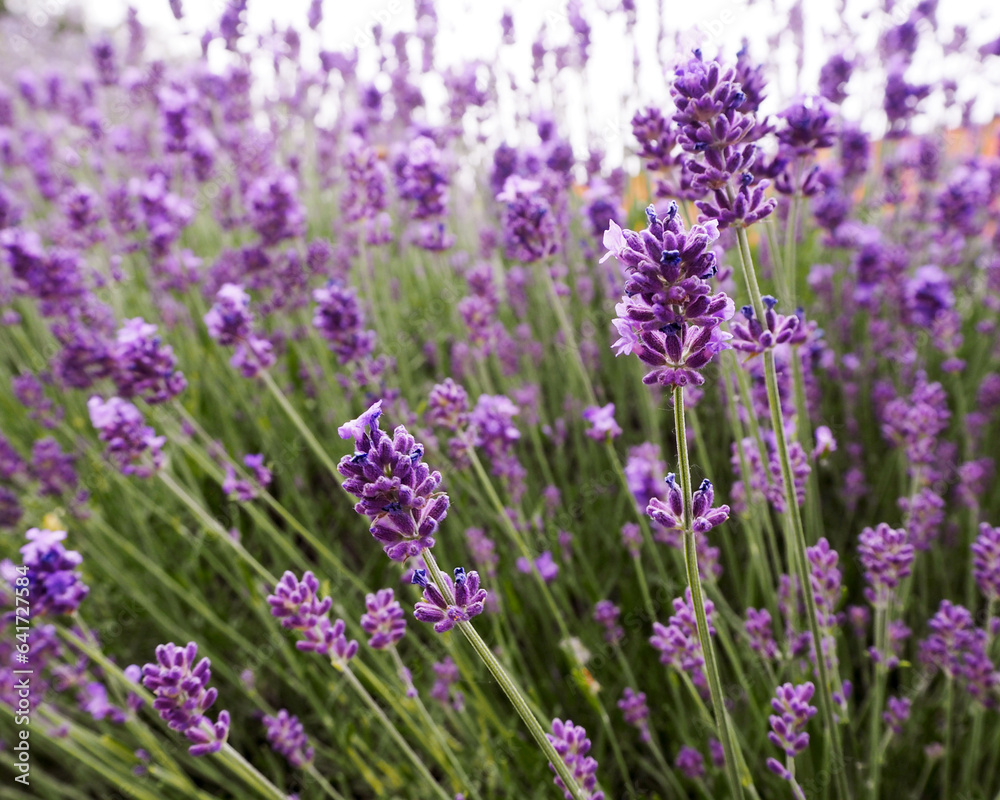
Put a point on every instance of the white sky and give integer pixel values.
(469, 29)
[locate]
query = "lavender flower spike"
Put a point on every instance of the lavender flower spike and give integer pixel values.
(570, 741)
(469, 600)
(396, 490)
(132, 445)
(299, 608)
(288, 737)
(182, 696)
(384, 621)
(886, 556)
(788, 723)
(54, 585)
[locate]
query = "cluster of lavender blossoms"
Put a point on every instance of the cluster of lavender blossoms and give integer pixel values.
(669, 317)
(308, 195)
(179, 684)
(299, 608)
(230, 323)
(395, 489)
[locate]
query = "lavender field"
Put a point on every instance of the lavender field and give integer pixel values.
(380, 424)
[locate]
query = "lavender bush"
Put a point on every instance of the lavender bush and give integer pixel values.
(675, 447)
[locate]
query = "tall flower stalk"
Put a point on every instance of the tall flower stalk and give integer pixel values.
(722, 722)
(795, 538)
(398, 493)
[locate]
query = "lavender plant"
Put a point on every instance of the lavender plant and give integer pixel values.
(760, 558)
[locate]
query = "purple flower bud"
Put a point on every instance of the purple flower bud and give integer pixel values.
(339, 320)
(607, 613)
(469, 601)
(602, 422)
(678, 640)
(144, 366)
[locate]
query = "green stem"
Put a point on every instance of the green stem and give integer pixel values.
(509, 687)
(397, 737)
(949, 736)
(215, 526)
(698, 601)
(249, 773)
(317, 776)
(300, 424)
(459, 774)
(795, 535)
(878, 698)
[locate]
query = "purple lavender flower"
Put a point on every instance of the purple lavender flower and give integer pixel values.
(788, 723)
(131, 444)
(668, 316)
(339, 319)
(636, 712)
(896, 713)
(691, 763)
(833, 78)
(234, 486)
(384, 620)
(644, 469)
(52, 468)
(396, 490)
(607, 613)
(255, 463)
(230, 322)
(602, 422)
(753, 338)
(571, 743)
(547, 568)
(299, 608)
(670, 514)
(469, 600)
(632, 538)
(678, 640)
(448, 406)
(421, 178)
(959, 649)
(446, 676)
(529, 224)
(288, 737)
(144, 366)
(986, 561)
(760, 633)
(923, 517)
(182, 696)
(274, 209)
(927, 294)
(886, 555)
(364, 196)
(493, 422)
(716, 129)
(483, 550)
(54, 585)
